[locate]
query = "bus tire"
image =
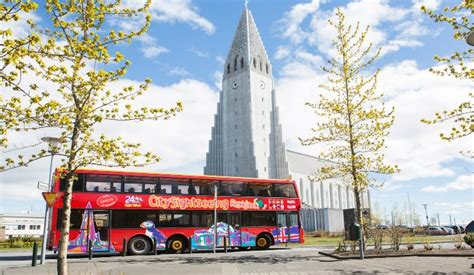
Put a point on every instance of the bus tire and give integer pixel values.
(176, 245)
(139, 245)
(263, 242)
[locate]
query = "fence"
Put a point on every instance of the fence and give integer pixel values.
(322, 219)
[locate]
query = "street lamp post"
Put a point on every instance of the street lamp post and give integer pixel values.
(52, 143)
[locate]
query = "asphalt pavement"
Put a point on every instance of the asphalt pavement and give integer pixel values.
(299, 260)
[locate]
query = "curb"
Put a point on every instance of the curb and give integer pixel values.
(391, 256)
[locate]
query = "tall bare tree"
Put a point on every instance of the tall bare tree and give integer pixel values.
(353, 119)
(74, 57)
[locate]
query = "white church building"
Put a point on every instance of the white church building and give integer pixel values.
(247, 138)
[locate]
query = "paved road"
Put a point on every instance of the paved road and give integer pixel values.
(276, 261)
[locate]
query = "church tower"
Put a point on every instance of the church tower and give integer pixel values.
(247, 136)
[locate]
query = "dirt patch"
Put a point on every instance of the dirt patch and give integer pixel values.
(371, 253)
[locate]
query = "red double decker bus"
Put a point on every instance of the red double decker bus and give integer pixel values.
(176, 212)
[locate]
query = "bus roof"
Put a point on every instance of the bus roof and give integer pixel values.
(171, 175)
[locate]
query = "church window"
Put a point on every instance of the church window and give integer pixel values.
(235, 99)
(266, 67)
(261, 66)
(262, 99)
(236, 155)
(263, 126)
(235, 113)
(235, 126)
(263, 112)
(254, 63)
(242, 62)
(235, 141)
(228, 68)
(236, 169)
(265, 169)
(235, 63)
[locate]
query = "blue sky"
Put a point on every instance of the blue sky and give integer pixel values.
(184, 50)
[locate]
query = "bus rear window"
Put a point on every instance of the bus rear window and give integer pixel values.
(284, 190)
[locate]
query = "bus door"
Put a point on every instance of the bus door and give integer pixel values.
(288, 229)
(294, 227)
(100, 231)
(234, 234)
(222, 228)
(282, 225)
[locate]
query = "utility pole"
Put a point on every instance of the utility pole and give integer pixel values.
(427, 221)
(450, 222)
(426, 214)
(410, 214)
(439, 224)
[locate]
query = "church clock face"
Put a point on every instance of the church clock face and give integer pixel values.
(262, 85)
(235, 84)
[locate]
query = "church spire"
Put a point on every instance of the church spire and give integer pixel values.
(247, 47)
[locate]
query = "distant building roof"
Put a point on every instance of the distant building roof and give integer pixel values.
(305, 164)
(22, 215)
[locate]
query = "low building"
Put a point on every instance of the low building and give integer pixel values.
(21, 225)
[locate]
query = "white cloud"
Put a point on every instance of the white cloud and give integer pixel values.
(291, 21)
(167, 11)
(153, 51)
(199, 53)
(416, 93)
(220, 60)
(282, 52)
(430, 4)
(391, 27)
(465, 182)
(172, 11)
(179, 72)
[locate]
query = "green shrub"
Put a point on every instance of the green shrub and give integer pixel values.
(469, 239)
(18, 244)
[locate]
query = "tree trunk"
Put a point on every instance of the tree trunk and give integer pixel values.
(65, 219)
(358, 205)
(65, 223)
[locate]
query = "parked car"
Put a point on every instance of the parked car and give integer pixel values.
(435, 230)
(449, 230)
(456, 228)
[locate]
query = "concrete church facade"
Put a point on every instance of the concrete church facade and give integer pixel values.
(246, 138)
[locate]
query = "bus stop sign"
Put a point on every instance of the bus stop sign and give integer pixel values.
(50, 197)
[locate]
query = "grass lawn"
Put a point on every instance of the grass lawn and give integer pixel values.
(2, 249)
(333, 241)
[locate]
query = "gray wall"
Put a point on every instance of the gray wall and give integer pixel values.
(325, 219)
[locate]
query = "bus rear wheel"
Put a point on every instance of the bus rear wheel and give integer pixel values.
(176, 245)
(263, 242)
(139, 245)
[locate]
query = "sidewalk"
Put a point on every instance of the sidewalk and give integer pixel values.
(284, 261)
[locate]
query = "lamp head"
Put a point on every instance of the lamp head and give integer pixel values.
(470, 38)
(52, 141)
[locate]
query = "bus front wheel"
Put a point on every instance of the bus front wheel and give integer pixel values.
(263, 242)
(139, 245)
(176, 245)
